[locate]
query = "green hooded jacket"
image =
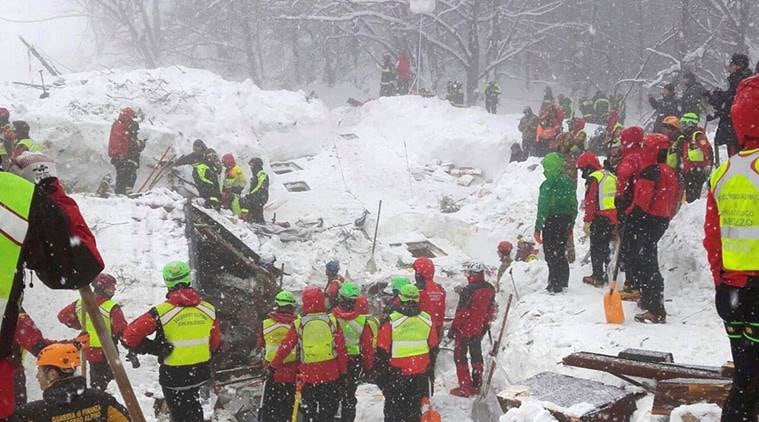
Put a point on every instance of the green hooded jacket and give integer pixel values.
(557, 193)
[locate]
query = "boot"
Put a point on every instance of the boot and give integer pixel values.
(477, 370)
(593, 281)
(651, 317)
(632, 295)
(465, 388)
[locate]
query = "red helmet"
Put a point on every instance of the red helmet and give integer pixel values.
(632, 137)
(313, 300)
(228, 160)
(362, 305)
(746, 109)
(103, 281)
(578, 124)
(505, 247)
(5, 115)
(127, 114)
(656, 142)
(425, 268)
(588, 160)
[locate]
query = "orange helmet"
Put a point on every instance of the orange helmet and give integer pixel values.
(64, 356)
(672, 121)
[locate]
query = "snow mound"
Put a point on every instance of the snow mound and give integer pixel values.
(701, 412)
(528, 412)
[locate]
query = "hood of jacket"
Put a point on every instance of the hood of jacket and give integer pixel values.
(313, 300)
(345, 314)
(65, 391)
(282, 316)
(184, 296)
(425, 268)
(553, 165)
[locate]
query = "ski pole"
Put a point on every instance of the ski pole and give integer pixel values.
(513, 283)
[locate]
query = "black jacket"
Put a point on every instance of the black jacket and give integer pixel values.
(666, 106)
(692, 100)
(722, 101)
(70, 399)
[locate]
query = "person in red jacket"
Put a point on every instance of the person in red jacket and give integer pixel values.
(323, 357)
(472, 320)
(404, 346)
(432, 299)
(600, 220)
(334, 281)
(28, 338)
(37, 236)
(403, 71)
(279, 387)
(655, 194)
(124, 148)
(735, 270)
(71, 316)
(626, 171)
(358, 344)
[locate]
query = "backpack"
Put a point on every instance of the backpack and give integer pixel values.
(118, 142)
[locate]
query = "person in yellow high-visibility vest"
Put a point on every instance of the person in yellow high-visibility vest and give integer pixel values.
(187, 334)
(279, 390)
(253, 203)
(73, 315)
(731, 240)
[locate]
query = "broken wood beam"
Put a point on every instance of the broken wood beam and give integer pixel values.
(681, 391)
(641, 355)
(657, 371)
(50, 68)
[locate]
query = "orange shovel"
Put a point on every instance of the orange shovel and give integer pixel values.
(615, 314)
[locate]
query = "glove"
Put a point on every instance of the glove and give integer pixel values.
(538, 238)
(132, 358)
(586, 229)
(83, 340)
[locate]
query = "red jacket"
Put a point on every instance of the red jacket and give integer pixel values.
(432, 299)
(333, 288)
(474, 310)
(403, 67)
(627, 169)
(367, 337)
(29, 337)
(592, 208)
(713, 241)
(414, 365)
(702, 142)
(139, 329)
(286, 373)
(67, 316)
(315, 373)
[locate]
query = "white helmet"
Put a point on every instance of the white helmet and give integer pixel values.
(474, 267)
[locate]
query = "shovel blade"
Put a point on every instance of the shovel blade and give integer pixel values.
(371, 266)
(615, 313)
(486, 409)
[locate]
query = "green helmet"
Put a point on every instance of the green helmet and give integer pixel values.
(409, 293)
(689, 119)
(176, 272)
(284, 298)
(398, 282)
(349, 290)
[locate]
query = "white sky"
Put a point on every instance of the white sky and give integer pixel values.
(64, 40)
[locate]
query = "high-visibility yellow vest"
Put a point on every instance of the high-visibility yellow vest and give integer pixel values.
(352, 330)
(410, 334)
(607, 189)
(29, 144)
(105, 312)
(316, 336)
(15, 200)
(373, 323)
(735, 186)
(695, 154)
(188, 329)
(260, 179)
(274, 332)
(235, 178)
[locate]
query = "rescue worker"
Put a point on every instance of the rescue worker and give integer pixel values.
(601, 107)
(600, 219)
(586, 108)
(432, 300)
(74, 316)
(403, 70)
(29, 339)
(233, 184)
(24, 143)
(124, 149)
(362, 307)
(732, 248)
(504, 257)
(722, 100)
(205, 173)
(655, 194)
(258, 195)
(570, 145)
(358, 344)
(37, 237)
(334, 282)
(528, 126)
(387, 78)
(404, 346)
(692, 100)
(187, 334)
(198, 152)
(470, 324)
(492, 91)
(670, 127)
(65, 396)
(456, 94)
(557, 209)
(396, 284)
(323, 359)
(567, 107)
(279, 387)
(667, 105)
(695, 153)
(6, 144)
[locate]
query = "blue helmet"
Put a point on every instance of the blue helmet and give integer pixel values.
(333, 267)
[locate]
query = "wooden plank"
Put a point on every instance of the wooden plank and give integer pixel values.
(680, 391)
(641, 355)
(728, 369)
(656, 371)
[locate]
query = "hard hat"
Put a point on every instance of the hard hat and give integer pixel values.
(397, 282)
(63, 356)
(474, 267)
(103, 281)
(349, 290)
(333, 267)
(689, 119)
(505, 247)
(409, 293)
(175, 273)
(672, 121)
(284, 298)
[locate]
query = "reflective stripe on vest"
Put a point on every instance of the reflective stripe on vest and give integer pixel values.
(735, 186)
(410, 334)
(374, 326)
(273, 333)
(15, 200)
(188, 329)
(607, 189)
(352, 330)
(316, 335)
(105, 312)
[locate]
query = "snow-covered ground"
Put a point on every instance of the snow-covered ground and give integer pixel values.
(391, 149)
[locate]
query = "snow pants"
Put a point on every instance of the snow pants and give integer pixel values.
(694, 183)
(320, 401)
(278, 402)
(348, 392)
(184, 405)
(555, 237)
(473, 347)
(100, 375)
(491, 104)
(403, 396)
(646, 230)
(739, 309)
(625, 254)
(126, 175)
(601, 230)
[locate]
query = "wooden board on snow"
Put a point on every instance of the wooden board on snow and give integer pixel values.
(680, 391)
(631, 368)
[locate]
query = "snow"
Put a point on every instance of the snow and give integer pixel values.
(702, 412)
(397, 156)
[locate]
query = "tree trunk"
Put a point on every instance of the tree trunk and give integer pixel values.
(744, 8)
(473, 68)
(250, 60)
(157, 35)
